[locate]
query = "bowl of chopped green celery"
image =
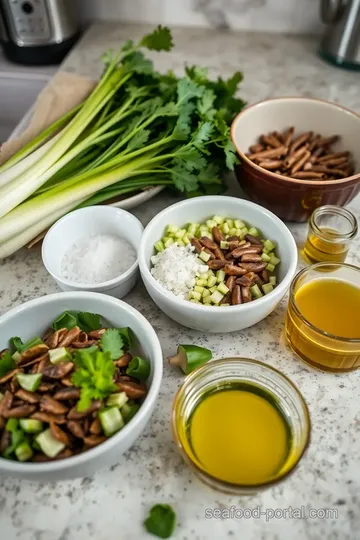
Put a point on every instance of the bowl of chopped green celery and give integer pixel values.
(217, 263)
(80, 373)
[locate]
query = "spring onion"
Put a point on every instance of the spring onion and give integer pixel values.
(190, 357)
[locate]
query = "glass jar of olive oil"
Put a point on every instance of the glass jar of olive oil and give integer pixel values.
(240, 425)
(331, 230)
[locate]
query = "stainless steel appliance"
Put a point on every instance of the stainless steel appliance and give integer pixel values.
(37, 32)
(341, 42)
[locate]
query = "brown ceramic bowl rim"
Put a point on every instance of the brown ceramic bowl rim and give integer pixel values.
(355, 176)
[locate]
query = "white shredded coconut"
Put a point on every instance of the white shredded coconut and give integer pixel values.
(97, 258)
(176, 269)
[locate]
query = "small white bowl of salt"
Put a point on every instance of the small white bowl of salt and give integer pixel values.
(94, 249)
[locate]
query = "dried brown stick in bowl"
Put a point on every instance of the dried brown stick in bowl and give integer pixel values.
(297, 155)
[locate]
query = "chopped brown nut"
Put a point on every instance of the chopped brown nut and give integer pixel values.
(44, 361)
(57, 336)
(59, 434)
(72, 335)
(29, 397)
(33, 352)
(42, 458)
(96, 334)
(216, 264)
(48, 418)
(84, 344)
(251, 257)
(6, 401)
(236, 296)
(217, 234)
(195, 242)
(94, 440)
(74, 414)
(46, 387)
(52, 406)
(132, 389)
(75, 428)
(230, 283)
(253, 240)
(5, 441)
(19, 412)
(208, 243)
(254, 267)
(70, 392)
(246, 294)
(9, 375)
(95, 427)
(58, 371)
(233, 270)
(66, 381)
(123, 361)
(240, 251)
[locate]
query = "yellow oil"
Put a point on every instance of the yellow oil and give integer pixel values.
(239, 436)
(333, 306)
(325, 249)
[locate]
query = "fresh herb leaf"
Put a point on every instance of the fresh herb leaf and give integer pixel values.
(6, 363)
(192, 158)
(197, 73)
(138, 141)
(88, 322)
(183, 179)
(210, 175)
(161, 521)
(206, 102)
(112, 342)
(65, 320)
(128, 45)
(16, 344)
(127, 336)
(187, 89)
(159, 40)
(203, 134)
(230, 154)
(94, 375)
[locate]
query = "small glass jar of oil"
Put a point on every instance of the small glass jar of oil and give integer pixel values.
(240, 425)
(331, 230)
(323, 317)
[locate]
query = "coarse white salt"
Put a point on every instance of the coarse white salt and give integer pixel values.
(97, 258)
(176, 268)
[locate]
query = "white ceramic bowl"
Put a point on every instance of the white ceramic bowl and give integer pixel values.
(207, 318)
(85, 222)
(33, 318)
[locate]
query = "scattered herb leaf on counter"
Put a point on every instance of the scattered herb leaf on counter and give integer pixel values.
(94, 375)
(161, 521)
(7, 363)
(190, 357)
(138, 128)
(113, 343)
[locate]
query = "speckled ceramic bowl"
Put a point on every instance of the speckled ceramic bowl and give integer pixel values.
(292, 199)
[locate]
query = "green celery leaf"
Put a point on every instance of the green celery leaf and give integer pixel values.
(6, 363)
(183, 179)
(138, 140)
(65, 320)
(88, 321)
(159, 40)
(112, 342)
(161, 521)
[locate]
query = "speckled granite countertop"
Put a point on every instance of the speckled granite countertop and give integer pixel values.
(112, 504)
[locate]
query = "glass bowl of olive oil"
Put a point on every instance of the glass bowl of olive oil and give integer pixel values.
(323, 317)
(240, 425)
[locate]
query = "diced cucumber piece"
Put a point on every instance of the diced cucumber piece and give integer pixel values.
(216, 297)
(210, 273)
(269, 245)
(205, 293)
(239, 224)
(179, 242)
(222, 288)
(213, 289)
(12, 425)
(265, 257)
(59, 355)
(230, 223)
(159, 246)
(186, 239)
(255, 291)
(180, 233)
(224, 305)
(29, 382)
(253, 231)
(211, 223)
(204, 256)
(274, 260)
(192, 228)
(267, 251)
(244, 231)
(24, 451)
(224, 244)
(195, 295)
(201, 282)
(270, 267)
(272, 280)
(219, 220)
(16, 356)
(220, 276)
(267, 288)
(169, 242)
(225, 228)
(166, 238)
(194, 301)
(207, 300)
(117, 400)
(172, 229)
(48, 444)
(203, 270)
(128, 411)
(207, 234)
(198, 289)
(238, 232)
(232, 231)
(212, 280)
(111, 420)
(31, 426)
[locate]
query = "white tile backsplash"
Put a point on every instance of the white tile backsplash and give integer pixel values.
(294, 16)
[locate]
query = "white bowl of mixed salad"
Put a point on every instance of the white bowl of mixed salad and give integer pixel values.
(80, 373)
(217, 263)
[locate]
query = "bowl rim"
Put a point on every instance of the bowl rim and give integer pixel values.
(8, 466)
(234, 123)
(103, 285)
(280, 289)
